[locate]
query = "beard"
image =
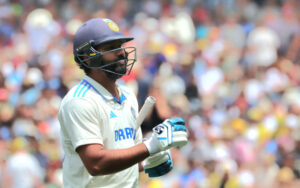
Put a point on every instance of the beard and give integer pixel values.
(117, 69)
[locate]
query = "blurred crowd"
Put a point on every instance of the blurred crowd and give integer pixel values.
(230, 68)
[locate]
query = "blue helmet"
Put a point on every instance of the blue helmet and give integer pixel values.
(99, 31)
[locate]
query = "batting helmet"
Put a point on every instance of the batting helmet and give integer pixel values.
(99, 31)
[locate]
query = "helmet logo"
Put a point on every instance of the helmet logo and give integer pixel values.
(112, 25)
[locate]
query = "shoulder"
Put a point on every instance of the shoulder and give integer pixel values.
(81, 90)
(78, 99)
(80, 103)
(127, 91)
(130, 96)
(78, 110)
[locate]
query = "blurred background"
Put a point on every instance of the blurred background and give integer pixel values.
(230, 68)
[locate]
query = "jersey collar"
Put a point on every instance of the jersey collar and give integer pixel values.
(98, 88)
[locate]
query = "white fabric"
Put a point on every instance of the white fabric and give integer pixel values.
(24, 169)
(152, 145)
(90, 117)
(264, 43)
(209, 81)
(275, 80)
(254, 89)
(164, 137)
(156, 160)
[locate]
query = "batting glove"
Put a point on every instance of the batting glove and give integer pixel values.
(158, 164)
(170, 133)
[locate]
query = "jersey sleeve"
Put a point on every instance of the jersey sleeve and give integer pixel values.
(81, 122)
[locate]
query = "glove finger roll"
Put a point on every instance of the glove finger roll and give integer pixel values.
(178, 121)
(160, 170)
(179, 128)
(156, 160)
(179, 139)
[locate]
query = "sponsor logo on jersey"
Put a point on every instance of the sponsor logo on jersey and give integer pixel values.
(112, 115)
(124, 134)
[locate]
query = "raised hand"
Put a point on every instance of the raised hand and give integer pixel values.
(170, 133)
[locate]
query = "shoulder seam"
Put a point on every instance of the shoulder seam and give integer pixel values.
(83, 88)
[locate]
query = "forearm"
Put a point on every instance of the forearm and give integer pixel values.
(111, 161)
(98, 161)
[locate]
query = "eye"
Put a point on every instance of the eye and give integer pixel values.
(110, 47)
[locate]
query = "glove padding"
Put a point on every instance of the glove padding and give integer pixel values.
(170, 133)
(158, 164)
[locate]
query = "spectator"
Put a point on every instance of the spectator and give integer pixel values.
(230, 68)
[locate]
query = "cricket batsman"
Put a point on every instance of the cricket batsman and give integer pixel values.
(102, 142)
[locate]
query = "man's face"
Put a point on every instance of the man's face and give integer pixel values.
(118, 56)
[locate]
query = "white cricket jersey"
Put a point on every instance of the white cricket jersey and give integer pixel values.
(89, 114)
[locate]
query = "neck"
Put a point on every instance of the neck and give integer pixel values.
(109, 84)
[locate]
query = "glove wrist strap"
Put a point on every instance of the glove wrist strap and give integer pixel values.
(152, 146)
